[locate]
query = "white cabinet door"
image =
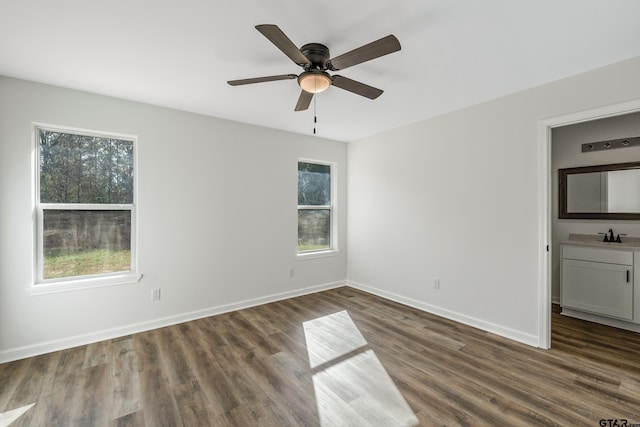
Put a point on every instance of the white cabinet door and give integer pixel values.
(598, 287)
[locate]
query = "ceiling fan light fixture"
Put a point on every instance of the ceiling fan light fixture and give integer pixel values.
(314, 81)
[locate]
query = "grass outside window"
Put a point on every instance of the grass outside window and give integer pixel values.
(84, 263)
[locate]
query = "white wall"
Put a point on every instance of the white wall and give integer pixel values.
(566, 146)
(456, 197)
(217, 219)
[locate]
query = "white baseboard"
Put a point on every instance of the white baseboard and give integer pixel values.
(529, 339)
(84, 339)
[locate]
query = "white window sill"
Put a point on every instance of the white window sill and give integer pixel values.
(62, 285)
(317, 254)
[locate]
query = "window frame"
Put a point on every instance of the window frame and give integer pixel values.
(332, 207)
(40, 285)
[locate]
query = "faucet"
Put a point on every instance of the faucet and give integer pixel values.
(611, 238)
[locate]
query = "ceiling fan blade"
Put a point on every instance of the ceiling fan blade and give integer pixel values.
(356, 87)
(304, 100)
(282, 42)
(262, 79)
(373, 50)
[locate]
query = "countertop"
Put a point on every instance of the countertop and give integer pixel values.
(595, 240)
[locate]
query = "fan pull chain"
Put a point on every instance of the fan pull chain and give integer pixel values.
(315, 118)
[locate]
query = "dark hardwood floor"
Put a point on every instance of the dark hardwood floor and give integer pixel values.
(373, 362)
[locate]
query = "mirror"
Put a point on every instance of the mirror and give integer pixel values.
(600, 192)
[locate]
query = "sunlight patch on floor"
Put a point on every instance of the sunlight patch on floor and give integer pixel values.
(356, 390)
(8, 417)
(330, 337)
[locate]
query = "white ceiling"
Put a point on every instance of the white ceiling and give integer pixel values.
(180, 54)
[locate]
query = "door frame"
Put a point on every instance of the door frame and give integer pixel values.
(545, 192)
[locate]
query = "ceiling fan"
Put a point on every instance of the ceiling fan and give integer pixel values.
(314, 58)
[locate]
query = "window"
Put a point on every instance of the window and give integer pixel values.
(85, 205)
(315, 207)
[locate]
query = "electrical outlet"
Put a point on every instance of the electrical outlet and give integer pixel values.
(155, 294)
(436, 283)
(291, 271)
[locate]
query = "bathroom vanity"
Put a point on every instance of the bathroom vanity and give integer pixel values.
(597, 280)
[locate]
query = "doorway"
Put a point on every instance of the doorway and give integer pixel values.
(546, 193)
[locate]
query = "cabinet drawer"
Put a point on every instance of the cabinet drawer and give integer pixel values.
(610, 256)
